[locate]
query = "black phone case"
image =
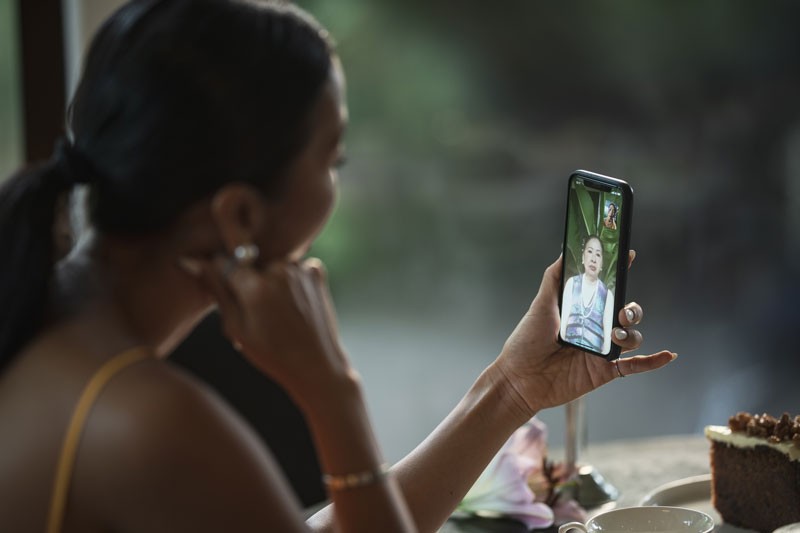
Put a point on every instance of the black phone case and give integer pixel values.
(601, 182)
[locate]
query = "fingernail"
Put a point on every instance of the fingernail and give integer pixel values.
(620, 334)
(674, 356)
(629, 314)
(190, 266)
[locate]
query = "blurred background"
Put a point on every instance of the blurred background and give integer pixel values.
(467, 119)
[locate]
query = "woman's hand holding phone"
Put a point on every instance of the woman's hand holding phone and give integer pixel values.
(540, 372)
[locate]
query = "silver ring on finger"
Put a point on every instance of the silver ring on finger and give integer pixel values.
(616, 365)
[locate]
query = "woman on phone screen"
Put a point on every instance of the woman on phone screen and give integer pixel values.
(611, 216)
(587, 309)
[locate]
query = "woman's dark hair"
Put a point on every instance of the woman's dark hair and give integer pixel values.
(589, 238)
(177, 98)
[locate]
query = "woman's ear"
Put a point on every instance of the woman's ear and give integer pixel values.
(240, 212)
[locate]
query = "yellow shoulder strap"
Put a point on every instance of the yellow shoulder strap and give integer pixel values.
(69, 448)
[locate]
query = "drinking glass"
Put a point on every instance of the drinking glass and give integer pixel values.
(589, 488)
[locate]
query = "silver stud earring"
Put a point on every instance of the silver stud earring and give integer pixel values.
(246, 254)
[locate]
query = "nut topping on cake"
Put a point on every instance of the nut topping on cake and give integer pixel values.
(783, 429)
(772, 429)
(738, 422)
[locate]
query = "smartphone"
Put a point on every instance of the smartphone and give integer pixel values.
(595, 267)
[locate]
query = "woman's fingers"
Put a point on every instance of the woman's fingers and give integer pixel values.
(627, 338)
(213, 275)
(631, 257)
(319, 275)
(641, 363)
(631, 314)
(317, 269)
(209, 275)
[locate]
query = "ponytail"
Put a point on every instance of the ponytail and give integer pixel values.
(27, 251)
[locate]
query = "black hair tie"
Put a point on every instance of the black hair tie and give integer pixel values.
(74, 168)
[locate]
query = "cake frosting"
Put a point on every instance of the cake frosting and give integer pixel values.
(743, 440)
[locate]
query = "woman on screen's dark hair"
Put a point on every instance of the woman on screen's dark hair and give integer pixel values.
(206, 132)
(587, 310)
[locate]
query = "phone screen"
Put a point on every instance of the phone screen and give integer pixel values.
(595, 261)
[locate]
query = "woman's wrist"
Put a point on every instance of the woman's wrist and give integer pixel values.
(339, 421)
(325, 390)
(509, 397)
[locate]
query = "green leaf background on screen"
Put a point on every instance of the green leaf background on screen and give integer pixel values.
(581, 224)
(576, 231)
(587, 219)
(588, 211)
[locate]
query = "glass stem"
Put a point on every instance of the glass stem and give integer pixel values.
(576, 434)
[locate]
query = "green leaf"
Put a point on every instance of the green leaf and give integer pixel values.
(588, 211)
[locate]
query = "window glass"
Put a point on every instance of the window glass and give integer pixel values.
(10, 97)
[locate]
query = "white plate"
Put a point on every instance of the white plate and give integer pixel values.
(694, 493)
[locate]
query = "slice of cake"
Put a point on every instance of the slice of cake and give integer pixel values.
(755, 469)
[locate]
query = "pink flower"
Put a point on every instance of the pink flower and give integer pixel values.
(502, 489)
(530, 440)
(506, 487)
(566, 510)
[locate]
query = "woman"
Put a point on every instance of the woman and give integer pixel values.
(611, 216)
(207, 131)
(587, 307)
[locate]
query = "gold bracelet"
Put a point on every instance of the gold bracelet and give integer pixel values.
(355, 480)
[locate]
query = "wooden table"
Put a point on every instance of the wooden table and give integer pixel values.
(635, 467)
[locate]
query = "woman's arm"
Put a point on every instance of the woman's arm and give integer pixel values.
(436, 475)
(346, 445)
(533, 372)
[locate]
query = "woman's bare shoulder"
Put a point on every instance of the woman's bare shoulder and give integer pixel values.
(163, 442)
(155, 406)
(152, 393)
